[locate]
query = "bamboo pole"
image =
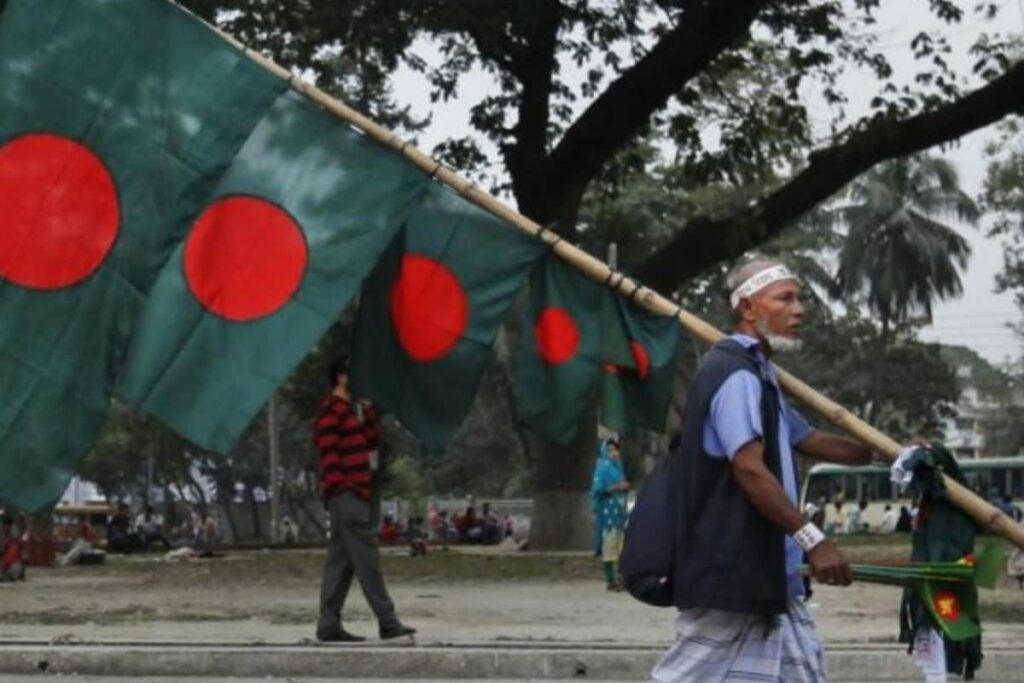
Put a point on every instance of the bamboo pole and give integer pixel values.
(988, 516)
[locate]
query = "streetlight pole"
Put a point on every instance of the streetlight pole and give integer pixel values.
(275, 446)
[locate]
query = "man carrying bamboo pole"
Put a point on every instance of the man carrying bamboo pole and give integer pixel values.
(737, 583)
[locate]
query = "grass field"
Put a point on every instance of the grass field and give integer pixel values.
(302, 566)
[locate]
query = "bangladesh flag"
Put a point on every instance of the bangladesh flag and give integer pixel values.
(953, 607)
(639, 367)
(117, 117)
(282, 245)
(431, 309)
(564, 346)
(942, 533)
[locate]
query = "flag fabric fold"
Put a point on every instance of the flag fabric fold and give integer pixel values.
(577, 331)
(636, 389)
(282, 245)
(116, 119)
(430, 312)
(563, 347)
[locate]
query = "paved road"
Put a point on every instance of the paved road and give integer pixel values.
(147, 679)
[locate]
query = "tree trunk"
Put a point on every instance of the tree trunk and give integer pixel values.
(200, 495)
(229, 515)
(254, 508)
(300, 506)
(40, 550)
(562, 519)
(635, 449)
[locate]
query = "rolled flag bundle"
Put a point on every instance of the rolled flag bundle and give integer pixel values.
(946, 589)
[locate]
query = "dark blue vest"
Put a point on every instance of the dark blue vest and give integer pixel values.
(729, 556)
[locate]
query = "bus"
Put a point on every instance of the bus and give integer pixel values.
(990, 478)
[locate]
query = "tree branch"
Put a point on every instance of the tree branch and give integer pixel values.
(536, 71)
(705, 240)
(494, 47)
(704, 31)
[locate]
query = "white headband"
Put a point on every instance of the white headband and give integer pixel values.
(755, 283)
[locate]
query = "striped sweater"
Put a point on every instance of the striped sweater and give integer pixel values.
(345, 444)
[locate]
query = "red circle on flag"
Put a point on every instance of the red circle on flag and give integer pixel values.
(558, 336)
(641, 358)
(59, 208)
(429, 308)
(244, 258)
(947, 605)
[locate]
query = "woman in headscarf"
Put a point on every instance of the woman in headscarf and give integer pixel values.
(608, 501)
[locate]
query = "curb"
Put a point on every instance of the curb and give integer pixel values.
(456, 661)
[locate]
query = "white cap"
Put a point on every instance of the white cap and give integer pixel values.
(758, 281)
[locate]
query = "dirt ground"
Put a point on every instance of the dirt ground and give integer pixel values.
(460, 596)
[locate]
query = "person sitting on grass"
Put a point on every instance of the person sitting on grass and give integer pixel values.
(444, 529)
(83, 550)
(120, 538)
(489, 526)
(12, 566)
(390, 530)
(149, 527)
(889, 521)
(417, 537)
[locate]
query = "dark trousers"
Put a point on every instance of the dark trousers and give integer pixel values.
(352, 551)
(154, 536)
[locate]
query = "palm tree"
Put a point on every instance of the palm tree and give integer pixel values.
(897, 253)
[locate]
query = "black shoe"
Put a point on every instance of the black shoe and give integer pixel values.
(396, 632)
(339, 635)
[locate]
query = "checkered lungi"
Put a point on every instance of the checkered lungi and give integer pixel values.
(712, 645)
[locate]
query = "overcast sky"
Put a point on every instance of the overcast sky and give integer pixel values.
(978, 319)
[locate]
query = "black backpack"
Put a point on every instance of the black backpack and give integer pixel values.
(647, 562)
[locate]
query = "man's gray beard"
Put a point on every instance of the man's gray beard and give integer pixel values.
(784, 344)
(777, 342)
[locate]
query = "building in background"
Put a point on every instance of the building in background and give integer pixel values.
(989, 409)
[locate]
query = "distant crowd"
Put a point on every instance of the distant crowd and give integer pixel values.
(126, 531)
(839, 518)
(464, 526)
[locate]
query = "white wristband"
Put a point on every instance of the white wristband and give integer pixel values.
(808, 536)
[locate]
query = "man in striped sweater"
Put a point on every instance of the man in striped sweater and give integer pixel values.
(346, 432)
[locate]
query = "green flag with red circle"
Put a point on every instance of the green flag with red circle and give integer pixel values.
(429, 313)
(117, 119)
(577, 331)
(565, 343)
(636, 387)
(283, 244)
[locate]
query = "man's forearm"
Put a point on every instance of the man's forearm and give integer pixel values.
(766, 494)
(836, 449)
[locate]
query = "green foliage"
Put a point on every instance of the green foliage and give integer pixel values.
(900, 385)
(118, 460)
(551, 60)
(1004, 197)
(1004, 431)
(991, 382)
(322, 39)
(897, 255)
